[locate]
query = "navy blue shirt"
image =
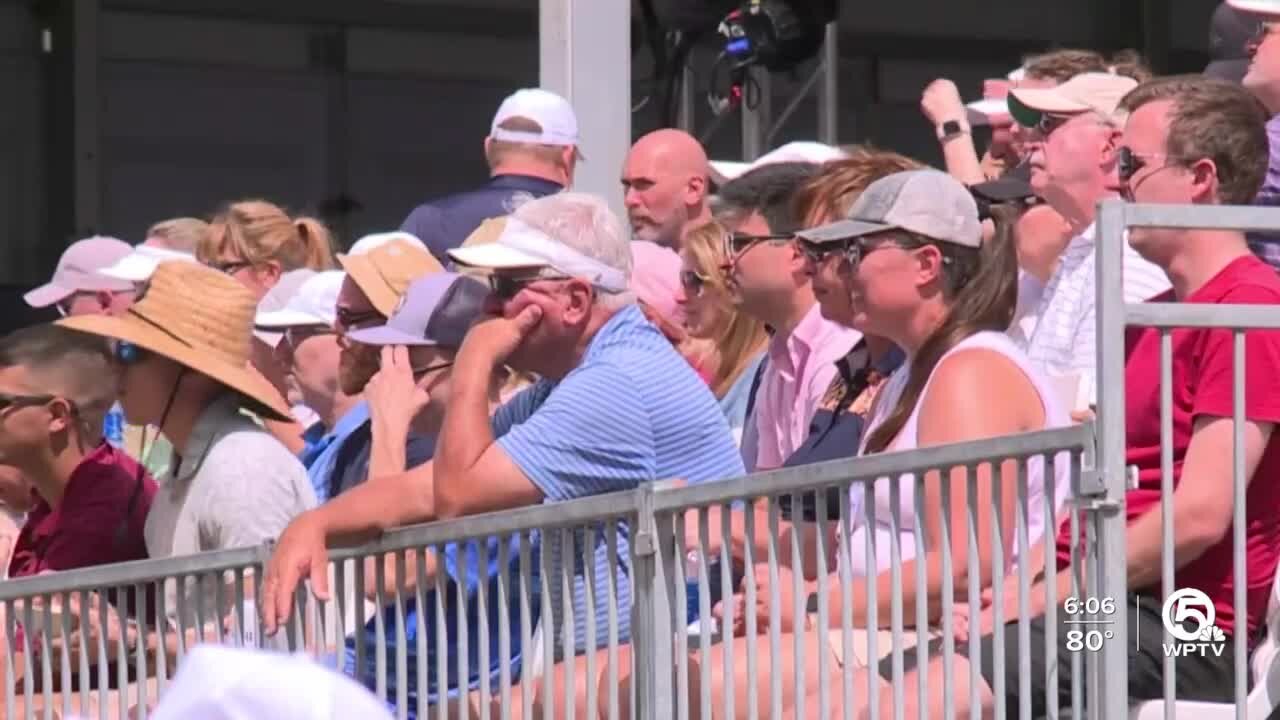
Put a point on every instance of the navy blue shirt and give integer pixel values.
(443, 224)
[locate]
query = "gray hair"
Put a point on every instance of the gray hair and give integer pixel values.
(586, 224)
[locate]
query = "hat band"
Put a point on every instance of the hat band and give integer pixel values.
(519, 235)
(546, 137)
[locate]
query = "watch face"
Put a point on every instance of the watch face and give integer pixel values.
(950, 127)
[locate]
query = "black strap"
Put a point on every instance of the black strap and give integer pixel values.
(347, 452)
(755, 386)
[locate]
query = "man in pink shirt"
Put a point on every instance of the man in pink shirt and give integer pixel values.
(768, 279)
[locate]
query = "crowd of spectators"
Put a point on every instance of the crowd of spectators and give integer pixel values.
(232, 381)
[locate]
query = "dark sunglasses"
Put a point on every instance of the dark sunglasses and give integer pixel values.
(419, 372)
(10, 400)
(1128, 163)
(693, 281)
(817, 252)
(505, 287)
(352, 320)
(1048, 123)
(739, 243)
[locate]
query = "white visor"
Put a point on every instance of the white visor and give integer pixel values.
(521, 246)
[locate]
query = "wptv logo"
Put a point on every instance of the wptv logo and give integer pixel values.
(1188, 616)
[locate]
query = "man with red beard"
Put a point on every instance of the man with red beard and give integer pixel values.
(378, 274)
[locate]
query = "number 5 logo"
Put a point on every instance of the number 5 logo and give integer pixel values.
(1184, 605)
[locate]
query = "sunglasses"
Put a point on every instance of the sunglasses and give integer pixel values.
(419, 372)
(10, 400)
(739, 243)
(1128, 163)
(693, 282)
(505, 287)
(349, 319)
(1048, 123)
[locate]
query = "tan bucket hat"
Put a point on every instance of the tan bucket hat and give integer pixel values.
(199, 318)
(384, 273)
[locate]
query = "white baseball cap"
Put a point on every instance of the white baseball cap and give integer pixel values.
(277, 298)
(138, 265)
(315, 303)
(552, 112)
(981, 111)
(1269, 8)
(722, 171)
(373, 241)
(217, 682)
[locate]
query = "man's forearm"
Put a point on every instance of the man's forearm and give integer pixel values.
(962, 159)
(388, 456)
(1144, 543)
(466, 433)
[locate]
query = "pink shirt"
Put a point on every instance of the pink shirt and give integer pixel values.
(799, 370)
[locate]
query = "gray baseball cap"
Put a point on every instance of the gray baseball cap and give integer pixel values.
(437, 309)
(925, 202)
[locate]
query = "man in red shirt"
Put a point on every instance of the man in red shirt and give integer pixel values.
(1202, 141)
(90, 500)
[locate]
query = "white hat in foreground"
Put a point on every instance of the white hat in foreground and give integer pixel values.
(138, 265)
(315, 303)
(217, 682)
(722, 171)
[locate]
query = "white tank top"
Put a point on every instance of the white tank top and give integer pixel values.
(1056, 415)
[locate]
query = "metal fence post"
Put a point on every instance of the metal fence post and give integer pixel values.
(1109, 696)
(651, 630)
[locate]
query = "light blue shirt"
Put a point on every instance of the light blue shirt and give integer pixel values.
(320, 469)
(734, 403)
(633, 411)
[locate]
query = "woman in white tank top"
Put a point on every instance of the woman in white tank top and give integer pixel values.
(923, 278)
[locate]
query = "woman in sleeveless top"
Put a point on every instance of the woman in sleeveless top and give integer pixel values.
(924, 279)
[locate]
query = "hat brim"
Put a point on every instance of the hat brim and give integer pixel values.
(46, 295)
(842, 229)
(257, 394)
(387, 335)
(131, 269)
(288, 319)
(494, 256)
(1028, 105)
(723, 171)
(983, 112)
(366, 277)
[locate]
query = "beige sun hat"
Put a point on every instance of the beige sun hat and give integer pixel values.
(385, 272)
(199, 318)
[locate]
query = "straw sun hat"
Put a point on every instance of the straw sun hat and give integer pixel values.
(199, 318)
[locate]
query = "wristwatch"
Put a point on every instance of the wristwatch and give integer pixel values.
(952, 128)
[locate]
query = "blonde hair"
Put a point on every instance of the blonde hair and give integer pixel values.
(259, 232)
(183, 234)
(742, 337)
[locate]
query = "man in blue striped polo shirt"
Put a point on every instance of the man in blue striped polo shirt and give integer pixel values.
(617, 405)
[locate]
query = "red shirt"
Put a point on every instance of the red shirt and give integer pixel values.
(1202, 378)
(89, 527)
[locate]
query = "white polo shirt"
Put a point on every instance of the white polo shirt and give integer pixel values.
(1064, 339)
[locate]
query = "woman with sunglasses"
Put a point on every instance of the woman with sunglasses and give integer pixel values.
(732, 342)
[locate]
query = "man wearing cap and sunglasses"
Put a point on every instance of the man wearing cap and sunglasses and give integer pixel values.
(1075, 153)
(531, 150)
(617, 405)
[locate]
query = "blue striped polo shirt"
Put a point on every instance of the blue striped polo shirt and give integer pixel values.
(631, 412)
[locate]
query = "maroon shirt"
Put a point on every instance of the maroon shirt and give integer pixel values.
(99, 521)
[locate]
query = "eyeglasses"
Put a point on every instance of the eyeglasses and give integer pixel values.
(739, 243)
(505, 287)
(349, 319)
(419, 372)
(11, 400)
(126, 353)
(295, 336)
(1048, 123)
(693, 282)
(1128, 163)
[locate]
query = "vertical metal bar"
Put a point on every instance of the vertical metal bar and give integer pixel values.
(757, 113)
(589, 544)
(46, 664)
(1024, 551)
(688, 110)
(998, 580)
(482, 613)
(1051, 585)
(797, 606)
(895, 594)
(419, 617)
(466, 549)
(1077, 571)
(704, 610)
(611, 545)
(401, 639)
(682, 619)
(504, 626)
(31, 639)
(180, 596)
(749, 605)
(1113, 687)
(527, 649)
(380, 626)
(1240, 573)
(775, 622)
(549, 629)
(829, 90)
(361, 660)
(726, 592)
(872, 624)
(653, 554)
(10, 672)
(922, 588)
(568, 580)
(64, 633)
(975, 591)
(140, 651)
(824, 619)
(442, 631)
(1166, 505)
(122, 652)
(342, 603)
(201, 619)
(948, 599)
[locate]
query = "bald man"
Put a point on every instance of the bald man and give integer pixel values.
(665, 184)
